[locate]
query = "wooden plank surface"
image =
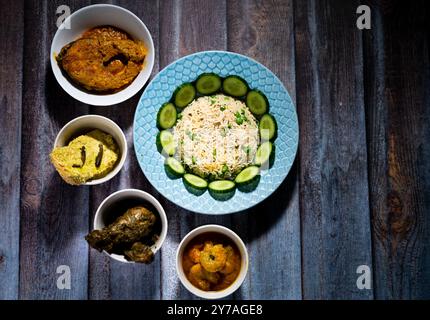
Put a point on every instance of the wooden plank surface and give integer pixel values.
(110, 279)
(398, 121)
(11, 25)
(264, 30)
(363, 101)
(54, 216)
(333, 173)
(187, 26)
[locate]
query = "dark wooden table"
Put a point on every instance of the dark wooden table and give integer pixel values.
(358, 193)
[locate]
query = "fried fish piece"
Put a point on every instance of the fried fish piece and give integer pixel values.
(104, 59)
(105, 33)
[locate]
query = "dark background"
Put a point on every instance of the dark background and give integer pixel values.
(358, 194)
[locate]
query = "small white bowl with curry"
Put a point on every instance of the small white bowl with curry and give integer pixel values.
(212, 261)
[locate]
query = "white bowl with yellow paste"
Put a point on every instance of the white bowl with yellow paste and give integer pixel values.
(80, 126)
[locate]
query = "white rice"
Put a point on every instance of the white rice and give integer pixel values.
(217, 136)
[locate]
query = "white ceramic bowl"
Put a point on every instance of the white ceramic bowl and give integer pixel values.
(84, 124)
(99, 15)
(117, 203)
(243, 269)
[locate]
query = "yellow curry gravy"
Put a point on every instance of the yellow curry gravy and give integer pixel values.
(211, 261)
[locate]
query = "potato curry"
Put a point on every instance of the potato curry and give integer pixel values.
(211, 262)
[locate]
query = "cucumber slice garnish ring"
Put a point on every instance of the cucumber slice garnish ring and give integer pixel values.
(195, 184)
(183, 95)
(247, 175)
(235, 86)
(167, 115)
(268, 127)
(166, 143)
(222, 190)
(257, 102)
(263, 154)
(247, 180)
(174, 168)
(208, 83)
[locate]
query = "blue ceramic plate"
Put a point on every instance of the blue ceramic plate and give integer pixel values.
(187, 69)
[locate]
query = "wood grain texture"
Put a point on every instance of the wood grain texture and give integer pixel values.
(362, 173)
(54, 216)
(333, 172)
(109, 279)
(264, 30)
(11, 25)
(398, 126)
(187, 26)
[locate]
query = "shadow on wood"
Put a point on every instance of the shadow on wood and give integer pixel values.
(268, 212)
(57, 99)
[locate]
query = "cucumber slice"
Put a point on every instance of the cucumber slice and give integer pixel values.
(195, 181)
(257, 102)
(268, 127)
(247, 175)
(184, 94)
(222, 190)
(208, 83)
(263, 153)
(222, 186)
(166, 117)
(174, 167)
(235, 86)
(166, 143)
